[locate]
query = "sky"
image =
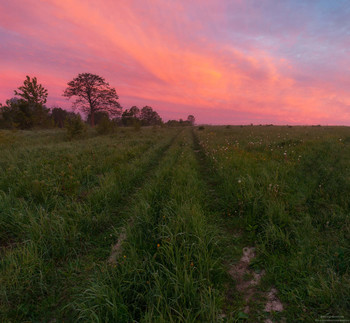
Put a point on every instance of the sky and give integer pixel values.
(225, 62)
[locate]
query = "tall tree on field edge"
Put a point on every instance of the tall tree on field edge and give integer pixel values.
(93, 94)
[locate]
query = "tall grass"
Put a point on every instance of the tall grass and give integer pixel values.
(169, 270)
(177, 203)
(288, 189)
(58, 203)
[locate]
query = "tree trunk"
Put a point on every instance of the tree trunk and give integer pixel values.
(92, 118)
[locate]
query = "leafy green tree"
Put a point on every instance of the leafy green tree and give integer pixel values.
(172, 123)
(23, 115)
(191, 119)
(131, 117)
(93, 94)
(32, 92)
(27, 110)
(149, 117)
(59, 116)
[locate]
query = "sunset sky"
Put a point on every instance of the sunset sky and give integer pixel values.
(226, 62)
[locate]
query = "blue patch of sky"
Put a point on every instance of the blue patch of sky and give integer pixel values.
(296, 29)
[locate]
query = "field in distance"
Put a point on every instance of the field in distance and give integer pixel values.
(182, 224)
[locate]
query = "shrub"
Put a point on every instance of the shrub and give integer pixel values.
(201, 128)
(75, 127)
(105, 126)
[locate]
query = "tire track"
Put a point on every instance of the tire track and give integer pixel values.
(237, 269)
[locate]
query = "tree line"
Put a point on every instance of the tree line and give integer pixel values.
(91, 95)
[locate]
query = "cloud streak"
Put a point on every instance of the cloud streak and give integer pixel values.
(232, 62)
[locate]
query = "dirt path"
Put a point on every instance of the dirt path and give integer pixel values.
(116, 249)
(246, 281)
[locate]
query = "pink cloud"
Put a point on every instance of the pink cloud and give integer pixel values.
(167, 54)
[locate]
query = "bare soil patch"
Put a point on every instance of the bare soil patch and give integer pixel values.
(117, 248)
(247, 281)
(273, 303)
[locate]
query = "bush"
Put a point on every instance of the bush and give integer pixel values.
(24, 115)
(201, 128)
(75, 127)
(105, 126)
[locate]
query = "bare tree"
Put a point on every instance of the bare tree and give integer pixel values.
(93, 94)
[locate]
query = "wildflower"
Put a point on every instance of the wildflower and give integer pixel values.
(239, 181)
(192, 264)
(158, 245)
(124, 256)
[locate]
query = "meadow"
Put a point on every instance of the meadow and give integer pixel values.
(182, 224)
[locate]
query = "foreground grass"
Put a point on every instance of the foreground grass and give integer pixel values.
(287, 190)
(169, 269)
(58, 203)
(182, 205)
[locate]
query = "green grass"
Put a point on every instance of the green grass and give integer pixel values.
(60, 202)
(188, 201)
(288, 190)
(169, 270)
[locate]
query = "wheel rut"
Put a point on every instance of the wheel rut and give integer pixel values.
(244, 280)
(116, 249)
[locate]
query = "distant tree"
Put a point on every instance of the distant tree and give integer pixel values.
(20, 114)
(32, 92)
(176, 123)
(5, 117)
(135, 111)
(93, 94)
(131, 117)
(59, 116)
(2, 120)
(149, 117)
(191, 119)
(27, 110)
(99, 116)
(172, 123)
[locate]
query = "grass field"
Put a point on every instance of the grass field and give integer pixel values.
(150, 225)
